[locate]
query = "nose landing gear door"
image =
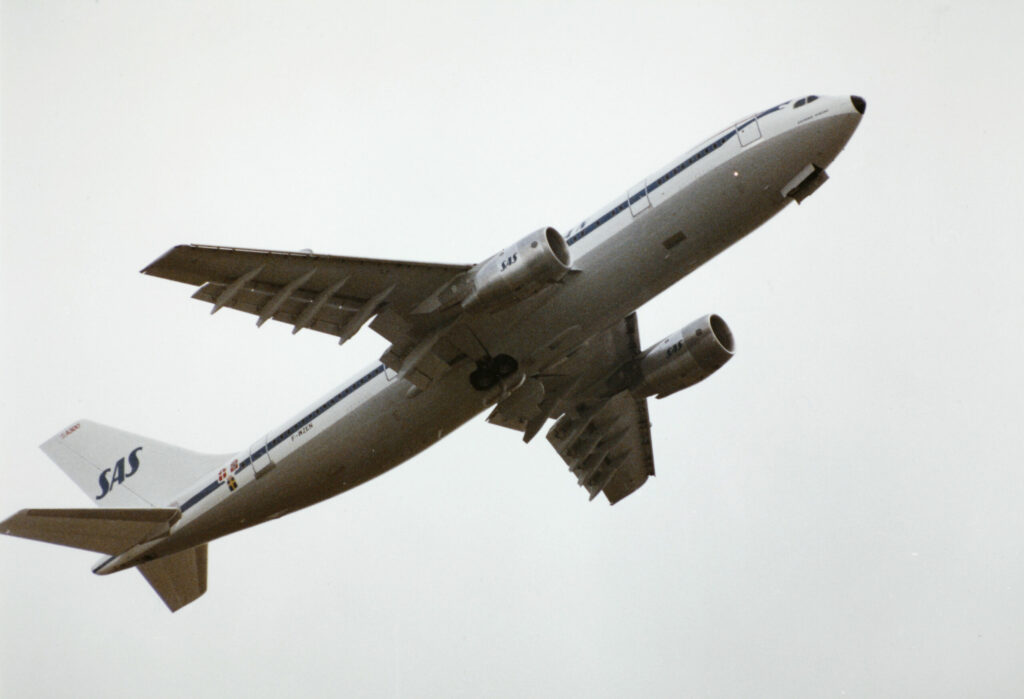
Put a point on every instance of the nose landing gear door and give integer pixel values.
(259, 456)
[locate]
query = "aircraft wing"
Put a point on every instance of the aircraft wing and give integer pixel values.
(326, 293)
(603, 431)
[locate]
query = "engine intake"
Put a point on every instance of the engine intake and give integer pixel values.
(518, 272)
(685, 357)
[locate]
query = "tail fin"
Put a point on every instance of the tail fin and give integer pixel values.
(118, 469)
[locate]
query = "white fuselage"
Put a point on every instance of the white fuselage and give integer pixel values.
(625, 254)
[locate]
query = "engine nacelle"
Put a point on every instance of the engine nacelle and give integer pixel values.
(518, 272)
(685, 357)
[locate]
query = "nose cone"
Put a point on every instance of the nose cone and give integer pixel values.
(858, 103)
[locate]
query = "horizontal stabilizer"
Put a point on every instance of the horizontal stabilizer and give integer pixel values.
(179, 578)
(109, 531)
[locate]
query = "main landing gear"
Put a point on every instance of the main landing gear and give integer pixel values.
(492, 370)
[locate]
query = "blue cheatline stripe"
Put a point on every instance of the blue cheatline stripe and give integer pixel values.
(334, 400)
(651, 186)
(658, 182)
(200, 495)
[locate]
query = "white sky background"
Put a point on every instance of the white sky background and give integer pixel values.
(838, 512)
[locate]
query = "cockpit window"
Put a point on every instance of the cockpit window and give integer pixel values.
(804, 100)
(811, 98)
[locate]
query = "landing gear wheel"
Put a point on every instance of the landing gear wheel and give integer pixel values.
(504, 365)
(491, 370)
(483, 379)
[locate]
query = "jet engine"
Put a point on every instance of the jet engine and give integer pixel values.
(518, 272)
(685, 357)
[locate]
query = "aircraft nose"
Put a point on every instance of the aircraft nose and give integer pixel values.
(858, 103)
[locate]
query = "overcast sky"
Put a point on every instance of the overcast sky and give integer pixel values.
(838, 512)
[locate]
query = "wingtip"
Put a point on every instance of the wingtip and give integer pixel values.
(151, 268)
(148, 269)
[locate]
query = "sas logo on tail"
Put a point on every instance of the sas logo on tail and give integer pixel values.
(111, 477)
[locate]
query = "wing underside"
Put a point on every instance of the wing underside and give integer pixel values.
(607, 445)
(602, 431)
(327, 293)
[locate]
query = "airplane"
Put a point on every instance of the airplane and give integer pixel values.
(545, 329)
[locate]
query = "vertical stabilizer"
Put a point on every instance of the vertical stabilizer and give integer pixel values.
(119, 469)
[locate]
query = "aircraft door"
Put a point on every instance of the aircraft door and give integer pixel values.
(637, 198)
(259, 456)
(748, 132)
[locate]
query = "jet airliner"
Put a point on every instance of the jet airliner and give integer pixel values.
(544, 330)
